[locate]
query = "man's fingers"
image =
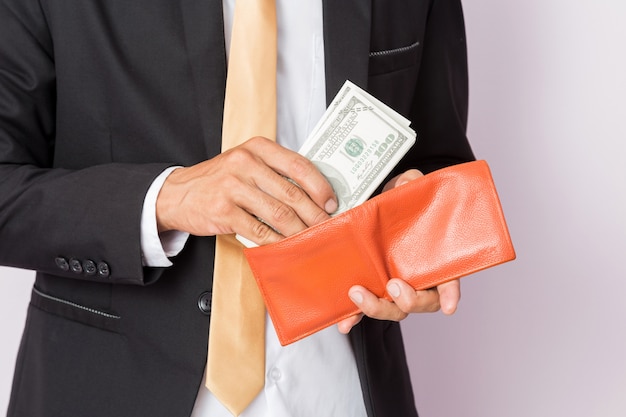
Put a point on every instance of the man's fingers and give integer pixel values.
(445, 297)
(375, 307)
(299, 169)
(347, 324)
(231, 192)
(288, 195)
(403, 178)
(405, 300)
(449, 296)
(411, 301)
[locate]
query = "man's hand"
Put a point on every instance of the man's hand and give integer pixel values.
(405, 299)
(227, 194)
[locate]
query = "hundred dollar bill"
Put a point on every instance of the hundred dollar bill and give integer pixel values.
(350, 88)
(355, 145)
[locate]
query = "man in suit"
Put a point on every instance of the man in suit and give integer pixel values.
(102, 101)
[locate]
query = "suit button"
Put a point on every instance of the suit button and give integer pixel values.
(75, 266)
(62, 263)
(103, 270)
(89, 267)
(204, 303)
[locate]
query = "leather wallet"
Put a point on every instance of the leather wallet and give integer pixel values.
(436, 228)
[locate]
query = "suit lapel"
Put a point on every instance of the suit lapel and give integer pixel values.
(204, 34)
(346, 46)
(346, 43)
(346, 53)
(346, 49)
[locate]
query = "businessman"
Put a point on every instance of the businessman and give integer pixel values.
(113, 187)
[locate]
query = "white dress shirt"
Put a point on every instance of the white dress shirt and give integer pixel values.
(316, 376)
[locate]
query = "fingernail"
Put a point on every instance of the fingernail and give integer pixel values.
(356, 296)
(330, 206)
(393, 289)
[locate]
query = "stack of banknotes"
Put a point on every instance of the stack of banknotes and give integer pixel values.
(355, 145)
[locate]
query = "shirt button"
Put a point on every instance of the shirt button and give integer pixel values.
(275, 374)
(204, 303)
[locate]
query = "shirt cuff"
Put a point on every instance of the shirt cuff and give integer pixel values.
(157, 247)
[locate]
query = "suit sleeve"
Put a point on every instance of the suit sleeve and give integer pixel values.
(85, 217)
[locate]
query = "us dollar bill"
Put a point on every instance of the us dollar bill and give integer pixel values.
(355, 145)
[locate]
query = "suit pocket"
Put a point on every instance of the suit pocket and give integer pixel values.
(65, 368)
(76, 312)
(396, 59)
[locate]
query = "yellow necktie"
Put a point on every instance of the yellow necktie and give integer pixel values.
(236, 358)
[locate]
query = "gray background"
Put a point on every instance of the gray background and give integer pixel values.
(543, 335)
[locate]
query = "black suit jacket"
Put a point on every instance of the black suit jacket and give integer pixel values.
(97, 97)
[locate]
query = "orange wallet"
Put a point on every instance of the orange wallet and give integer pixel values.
(439, 227)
